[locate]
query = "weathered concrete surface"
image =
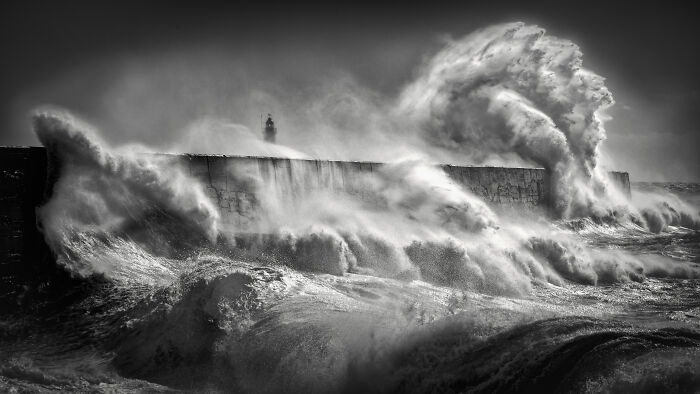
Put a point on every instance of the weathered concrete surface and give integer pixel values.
(224, 178)
(230, 181)
(528, 187)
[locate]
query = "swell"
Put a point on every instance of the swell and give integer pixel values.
(226, 325)
(555, 355)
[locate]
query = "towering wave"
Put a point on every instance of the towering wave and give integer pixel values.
(512, 88)
(405, 220)
(99, 194)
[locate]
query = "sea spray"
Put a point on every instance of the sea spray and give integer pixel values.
(400, 221)
(508, 88)
(146, 199)
(512, 88)
(188, 317)
(659, 210)
(408, 219)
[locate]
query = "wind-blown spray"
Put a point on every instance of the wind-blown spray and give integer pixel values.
(511, 88)
(285, 308)
(143, 198)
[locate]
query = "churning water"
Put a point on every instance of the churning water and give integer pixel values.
(400, 295)
(409, 283)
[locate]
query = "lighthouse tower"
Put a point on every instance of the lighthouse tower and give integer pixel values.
(270, 130)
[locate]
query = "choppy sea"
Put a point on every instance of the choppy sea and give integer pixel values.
(217, 321)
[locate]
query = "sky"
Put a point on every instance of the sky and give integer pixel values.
(141, 71)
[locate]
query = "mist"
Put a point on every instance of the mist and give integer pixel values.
(406, 220)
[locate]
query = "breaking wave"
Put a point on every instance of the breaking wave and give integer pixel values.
(512, 88)
(394, 280)
(147, 200)
(409, 221)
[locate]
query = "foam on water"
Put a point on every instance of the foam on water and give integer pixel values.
(346, 293)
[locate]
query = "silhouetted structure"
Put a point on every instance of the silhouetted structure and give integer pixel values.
(270, 129)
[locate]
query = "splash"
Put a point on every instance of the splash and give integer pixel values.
(146, 199)
(504, 89)
(658, 210)
(409, 220)
(512, 88)
(220, 136)
(136, 217)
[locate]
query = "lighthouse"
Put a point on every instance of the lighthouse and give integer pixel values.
(270, 130)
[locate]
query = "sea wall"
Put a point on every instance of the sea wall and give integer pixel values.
(231, 182)
(621, 180)
(23, 253)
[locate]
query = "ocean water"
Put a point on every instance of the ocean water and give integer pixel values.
(414, 284)
(229, 320)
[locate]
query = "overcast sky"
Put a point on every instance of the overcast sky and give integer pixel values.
(110, 61)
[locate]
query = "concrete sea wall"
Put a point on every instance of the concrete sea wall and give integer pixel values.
(225, 180)
(23, 254)
(622, 180)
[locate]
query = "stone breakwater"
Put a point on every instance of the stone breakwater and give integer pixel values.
(23, 254)
(224, 178)
(26, 181)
